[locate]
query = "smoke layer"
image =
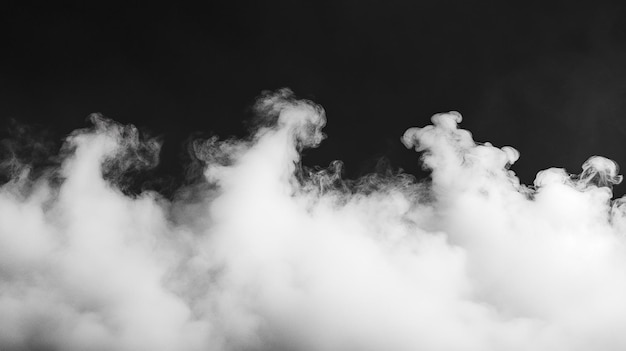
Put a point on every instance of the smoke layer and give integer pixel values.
(269, 256)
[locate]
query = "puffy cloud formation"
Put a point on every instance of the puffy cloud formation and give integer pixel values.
(268, 256)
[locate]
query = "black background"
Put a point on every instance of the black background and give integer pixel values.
(548, 78)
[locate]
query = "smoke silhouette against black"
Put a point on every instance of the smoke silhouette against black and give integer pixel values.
(138, 211)
(545, 77)
(263, 254)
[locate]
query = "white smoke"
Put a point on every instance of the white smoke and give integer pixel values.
(271, 257)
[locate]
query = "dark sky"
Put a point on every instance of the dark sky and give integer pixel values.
(548, 78)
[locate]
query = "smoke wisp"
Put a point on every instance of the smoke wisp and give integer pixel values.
(269, 256)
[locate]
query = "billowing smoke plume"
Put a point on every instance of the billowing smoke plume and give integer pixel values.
(269, 256)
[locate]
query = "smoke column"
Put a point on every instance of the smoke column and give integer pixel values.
(265, 255)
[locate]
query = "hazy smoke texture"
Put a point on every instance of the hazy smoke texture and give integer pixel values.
(269, 256)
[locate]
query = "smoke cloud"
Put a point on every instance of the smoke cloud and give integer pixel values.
(266, 255)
